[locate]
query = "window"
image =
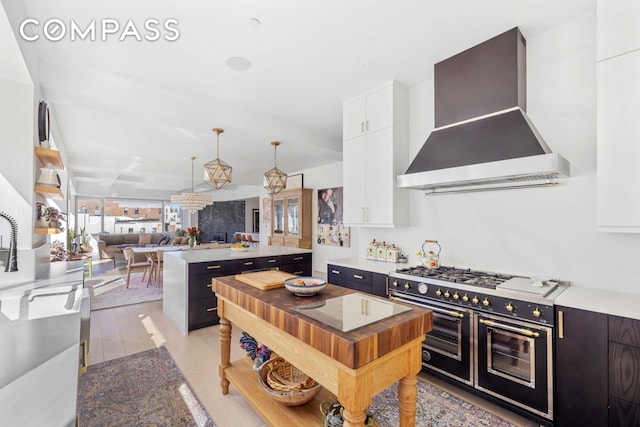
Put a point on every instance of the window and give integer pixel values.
(83, 210)
(126, 211)
(137, 211)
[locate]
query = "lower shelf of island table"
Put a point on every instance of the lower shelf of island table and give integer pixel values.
(245, 380)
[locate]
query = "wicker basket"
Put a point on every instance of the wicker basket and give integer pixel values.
(286, 384)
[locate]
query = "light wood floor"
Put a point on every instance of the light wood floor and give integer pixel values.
(121, 331)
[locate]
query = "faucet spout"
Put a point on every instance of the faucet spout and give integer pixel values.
(12, 265)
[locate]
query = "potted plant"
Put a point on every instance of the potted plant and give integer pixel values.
(58, 251)
(85, 247)
(50, 217)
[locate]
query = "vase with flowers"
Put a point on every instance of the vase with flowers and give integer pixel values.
(194, 236)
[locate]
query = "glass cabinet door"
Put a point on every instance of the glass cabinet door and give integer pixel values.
(278, 216)
(293, 216)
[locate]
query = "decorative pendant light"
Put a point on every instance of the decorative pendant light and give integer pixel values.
(217, 173)
(192, 201)
(274, 179)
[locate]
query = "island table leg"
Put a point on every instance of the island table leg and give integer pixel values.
(225, 353)
(407, 393)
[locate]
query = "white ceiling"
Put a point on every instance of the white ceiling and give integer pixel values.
(130, 113)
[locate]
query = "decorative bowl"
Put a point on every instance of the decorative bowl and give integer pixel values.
(305, 286)
(305, 390)
(242, 249)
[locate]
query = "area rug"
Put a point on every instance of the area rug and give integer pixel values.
(434, 408)
(145, 389)
(109, 290)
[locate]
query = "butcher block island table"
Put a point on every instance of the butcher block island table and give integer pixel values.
(353, 366)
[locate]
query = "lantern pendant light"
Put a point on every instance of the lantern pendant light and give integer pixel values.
(274, 179)
(217, 173)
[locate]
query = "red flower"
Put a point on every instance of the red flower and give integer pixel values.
(193, 231)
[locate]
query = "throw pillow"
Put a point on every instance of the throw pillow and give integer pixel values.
(144, 239)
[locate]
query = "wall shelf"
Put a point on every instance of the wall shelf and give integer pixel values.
(43, 230)
(50, 192)
(46, 155)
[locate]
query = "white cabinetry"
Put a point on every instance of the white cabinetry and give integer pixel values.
(375, 150)
(618, 111)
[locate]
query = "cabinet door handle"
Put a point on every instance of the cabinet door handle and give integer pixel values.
(298, 273)
(366, 125)
(212, 267)
(298, 258)
(272, 261)
(335, 271)
(560, 324)
(212, 309)
(362, 127)
(357, 276)
(248, 263)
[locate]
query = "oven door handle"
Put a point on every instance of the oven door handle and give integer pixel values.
(522, 331)
(439, 310)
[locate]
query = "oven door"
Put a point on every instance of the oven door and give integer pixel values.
(447, 348)
(515, 362)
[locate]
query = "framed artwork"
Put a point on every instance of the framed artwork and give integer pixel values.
(331, 230)
(266, 214)
(256, 220)
(295, 181)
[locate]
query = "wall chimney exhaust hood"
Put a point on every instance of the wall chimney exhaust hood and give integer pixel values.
(483, 138)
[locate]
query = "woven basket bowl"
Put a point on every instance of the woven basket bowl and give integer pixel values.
(295, 395)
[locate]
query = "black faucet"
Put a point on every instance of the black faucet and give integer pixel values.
(12, 265)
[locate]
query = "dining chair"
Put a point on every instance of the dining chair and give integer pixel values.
(253, 242)
(133, 265)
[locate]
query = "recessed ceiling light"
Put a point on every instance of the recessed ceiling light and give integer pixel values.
(238, 63)
(254, 22)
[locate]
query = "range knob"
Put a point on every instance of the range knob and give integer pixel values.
(395, 284)
(447, 294)
(486, 302)
(509, 307)
(475, 300)
(438, 292)
(536, 312)
(407, 285)
(456, 296)
(465, 297)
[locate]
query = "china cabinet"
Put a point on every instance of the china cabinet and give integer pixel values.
(291, 218)
(375, 151)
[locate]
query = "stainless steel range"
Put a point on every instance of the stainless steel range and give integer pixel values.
(491, 331)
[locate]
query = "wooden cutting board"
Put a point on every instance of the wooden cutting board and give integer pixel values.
(265, 280)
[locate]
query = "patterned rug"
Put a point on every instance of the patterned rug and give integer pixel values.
(109, 290)
(144, 389)
(434, 408)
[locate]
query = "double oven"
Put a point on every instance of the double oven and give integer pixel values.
(492, 332)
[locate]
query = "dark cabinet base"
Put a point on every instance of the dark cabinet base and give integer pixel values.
(358, 280)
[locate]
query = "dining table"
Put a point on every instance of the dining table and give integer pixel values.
(151, 253)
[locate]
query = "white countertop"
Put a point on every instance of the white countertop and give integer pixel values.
(206, 255)
(601, 301)
(381, 267)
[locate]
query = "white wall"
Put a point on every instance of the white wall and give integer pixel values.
(546, 231)
(320, 178)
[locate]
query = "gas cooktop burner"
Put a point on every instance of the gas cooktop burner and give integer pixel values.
(458, 275)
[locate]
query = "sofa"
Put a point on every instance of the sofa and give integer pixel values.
(111, 244)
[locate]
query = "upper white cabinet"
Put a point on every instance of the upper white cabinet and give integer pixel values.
(617, 27)
(375, 150)
(618, 205)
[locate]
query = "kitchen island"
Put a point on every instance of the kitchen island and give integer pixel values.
(187, 297)
(353, 365)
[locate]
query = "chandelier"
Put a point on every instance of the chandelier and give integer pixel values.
(217, 173)
(274, 179)
(192, 201)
